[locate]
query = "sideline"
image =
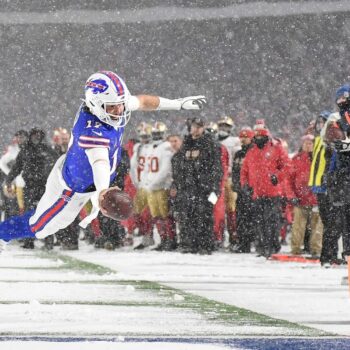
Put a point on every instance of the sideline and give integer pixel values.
(245, 343)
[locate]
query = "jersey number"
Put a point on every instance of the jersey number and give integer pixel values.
(153, 165)
(89, 124)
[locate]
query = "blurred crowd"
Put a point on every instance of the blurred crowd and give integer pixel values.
(216, 187)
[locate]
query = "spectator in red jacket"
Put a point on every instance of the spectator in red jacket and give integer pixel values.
(263, 170)
(306, 209)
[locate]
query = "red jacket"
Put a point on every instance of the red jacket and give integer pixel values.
(260, 164)
(299, 178)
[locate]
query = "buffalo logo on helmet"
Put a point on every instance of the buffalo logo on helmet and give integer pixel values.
(97, 86)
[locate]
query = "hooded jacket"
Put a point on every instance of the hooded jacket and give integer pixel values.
(34, 161)
(260, 165)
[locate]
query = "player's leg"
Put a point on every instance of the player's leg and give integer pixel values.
(219, 220)
(316, 234)
(230, 208)
(143, 218)
(49, 219)
(18, 227)
(298, 229)
(153, 205)
(168, 220)
(159, 206)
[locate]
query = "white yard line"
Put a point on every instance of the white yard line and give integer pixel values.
(167, 13)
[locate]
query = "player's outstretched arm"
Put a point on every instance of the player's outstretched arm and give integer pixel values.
(153, 103)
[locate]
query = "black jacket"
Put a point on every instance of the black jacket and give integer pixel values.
(35, 161)
(237, 164)
(197, 169)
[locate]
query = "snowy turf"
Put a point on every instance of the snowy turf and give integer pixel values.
(126, 293)
(302, 293)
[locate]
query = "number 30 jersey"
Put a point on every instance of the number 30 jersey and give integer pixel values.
(89, 132)
(158, 172)
(138, 163)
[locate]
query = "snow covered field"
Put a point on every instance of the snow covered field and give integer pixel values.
(92, 299)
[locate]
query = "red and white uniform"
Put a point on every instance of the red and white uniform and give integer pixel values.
(232, 145)
(158, 172)
(158, 179)
(138, 164)
(9, 157)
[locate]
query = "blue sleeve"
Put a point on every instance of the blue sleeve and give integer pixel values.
(333, 162)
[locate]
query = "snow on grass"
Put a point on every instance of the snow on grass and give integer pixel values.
(107, 293)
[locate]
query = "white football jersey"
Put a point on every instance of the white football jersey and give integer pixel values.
(232, 145)
(158, 166)
(138, 164)
(8, 158)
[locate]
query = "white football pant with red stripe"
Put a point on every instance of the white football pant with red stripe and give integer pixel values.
(59, 205)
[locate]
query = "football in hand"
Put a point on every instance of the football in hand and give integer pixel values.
(334, 133)
(116, 204)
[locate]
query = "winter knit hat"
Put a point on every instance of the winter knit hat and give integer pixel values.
(246, 132)
(260, 128)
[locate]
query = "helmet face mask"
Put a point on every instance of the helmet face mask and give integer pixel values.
(144, 132)
(225, 126)
(224, 130)
(159, 130)
(106, 93)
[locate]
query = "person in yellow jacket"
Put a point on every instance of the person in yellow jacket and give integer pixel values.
(320, 160)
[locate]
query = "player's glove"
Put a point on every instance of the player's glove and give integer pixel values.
(9, 190)
(247, 191)
(274, 180)
(213, 198)
(193, 102)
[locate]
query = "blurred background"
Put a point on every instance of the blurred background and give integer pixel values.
(275, 60)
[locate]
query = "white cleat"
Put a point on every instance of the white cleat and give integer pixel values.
(147, 241)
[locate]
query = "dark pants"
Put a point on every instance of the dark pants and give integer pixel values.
(196, 224)
(331, 228)
(32, 193)
(342, 223)
(245, 216)
(69, 236)
(112, 230)
(268, 224)
(338, 187)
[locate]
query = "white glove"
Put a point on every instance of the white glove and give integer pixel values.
(193, 102)
(213, 198)
(315, 209)
(190, 102)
